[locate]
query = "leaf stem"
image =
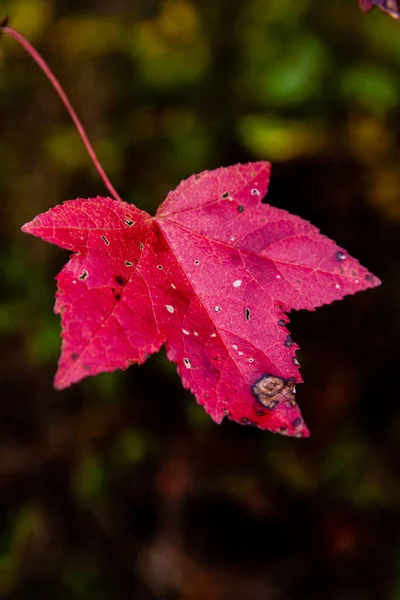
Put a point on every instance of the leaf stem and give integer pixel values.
(64, 98)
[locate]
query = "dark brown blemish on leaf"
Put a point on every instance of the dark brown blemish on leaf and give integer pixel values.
(245, 421)
(105, 240)
(119, 280)
(288, 342)
(117, 297)
(83, 275)
(369, 278)
(247, 313)
(281, 322)
(268, 387)
(87, 367)
(296, 422)
(74, 356)
(260, 413)
(340, 256)
(240, 208)
(4, 21)
(128, 222)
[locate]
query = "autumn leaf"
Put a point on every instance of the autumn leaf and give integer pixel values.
(212, 277)
(392, 7)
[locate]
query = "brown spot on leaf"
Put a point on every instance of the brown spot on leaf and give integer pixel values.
(268, 387)
(288, 342)
(240, 208)
(245, 421)
(74, 356)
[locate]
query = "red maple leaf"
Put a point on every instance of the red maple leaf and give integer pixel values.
(212, 277)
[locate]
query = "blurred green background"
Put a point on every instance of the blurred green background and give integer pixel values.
(121, 487)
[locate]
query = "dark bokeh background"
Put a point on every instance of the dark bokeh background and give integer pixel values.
(122, 487)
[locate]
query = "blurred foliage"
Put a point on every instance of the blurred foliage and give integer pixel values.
(122, 487)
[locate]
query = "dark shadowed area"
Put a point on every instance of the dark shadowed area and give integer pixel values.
(122, 487)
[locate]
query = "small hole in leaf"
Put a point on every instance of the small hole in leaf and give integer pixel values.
(281, 322)
(128, 263)
(83, 275)
(254, 191)
(340, 256)
(105, 240)
(247, 314)
(160, 267)
(225, 195)
(141, 246)
(129, 222)
(197, 262)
